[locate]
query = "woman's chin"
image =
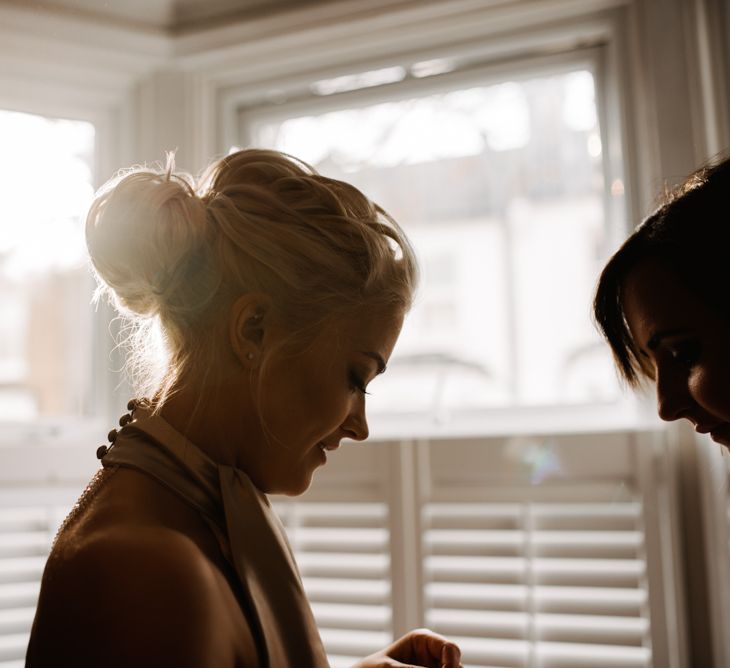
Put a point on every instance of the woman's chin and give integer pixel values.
(296, 485)
(721, 435)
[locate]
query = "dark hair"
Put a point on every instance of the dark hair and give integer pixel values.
(689, 234)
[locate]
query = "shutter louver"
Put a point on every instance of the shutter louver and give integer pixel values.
(26, 540)
(553, 585)
(343, 554)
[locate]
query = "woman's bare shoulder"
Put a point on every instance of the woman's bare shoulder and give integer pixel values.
(130, 595)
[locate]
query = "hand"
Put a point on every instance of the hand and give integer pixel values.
(420, 648)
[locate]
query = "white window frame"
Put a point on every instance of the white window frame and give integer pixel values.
(252, 105)
(64, 431)
(92, 82)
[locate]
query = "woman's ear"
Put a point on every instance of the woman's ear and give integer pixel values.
(247, 327)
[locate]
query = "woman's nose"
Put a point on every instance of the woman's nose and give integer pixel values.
(356, 424)
(673, 398)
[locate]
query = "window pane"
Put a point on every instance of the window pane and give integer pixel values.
(501, 188)
(45, 287)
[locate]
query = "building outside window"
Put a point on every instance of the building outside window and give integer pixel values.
(501, 187)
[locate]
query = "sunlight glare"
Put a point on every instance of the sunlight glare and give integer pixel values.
(579, 103)
(46, 176)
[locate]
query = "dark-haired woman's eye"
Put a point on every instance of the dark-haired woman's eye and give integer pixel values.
(685, 353)
(357, 384)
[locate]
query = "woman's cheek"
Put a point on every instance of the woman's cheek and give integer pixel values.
(709, 390)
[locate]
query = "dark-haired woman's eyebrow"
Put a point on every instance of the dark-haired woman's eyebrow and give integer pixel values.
(378, 359)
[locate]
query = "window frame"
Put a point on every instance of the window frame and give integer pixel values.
(253, 106)
(63, 438)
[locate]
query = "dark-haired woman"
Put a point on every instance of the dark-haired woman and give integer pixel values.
(663, 303)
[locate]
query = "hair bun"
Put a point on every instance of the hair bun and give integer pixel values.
(142, 230)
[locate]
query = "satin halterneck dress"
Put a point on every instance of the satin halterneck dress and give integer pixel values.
(250, 534)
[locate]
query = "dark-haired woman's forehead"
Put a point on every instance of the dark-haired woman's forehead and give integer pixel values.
(657, 305)
(655, 302)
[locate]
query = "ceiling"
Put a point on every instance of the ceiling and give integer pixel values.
(170, 16)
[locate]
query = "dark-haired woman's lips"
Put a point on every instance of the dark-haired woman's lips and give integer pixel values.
(707, 429)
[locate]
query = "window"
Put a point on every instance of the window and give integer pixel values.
(46, 335)
(45, 319)
(501, 186)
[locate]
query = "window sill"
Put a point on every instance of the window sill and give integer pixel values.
(621, 416)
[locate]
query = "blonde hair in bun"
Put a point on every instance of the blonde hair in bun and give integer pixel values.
(173, 257)
(144, 232)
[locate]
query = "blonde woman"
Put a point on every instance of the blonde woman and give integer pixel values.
(274, 295)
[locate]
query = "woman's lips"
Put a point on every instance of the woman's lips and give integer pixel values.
(332, 446)
(706, 428)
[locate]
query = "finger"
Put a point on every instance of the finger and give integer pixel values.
(426, 648)
(430, 644)
(450, 655)
(441, 648)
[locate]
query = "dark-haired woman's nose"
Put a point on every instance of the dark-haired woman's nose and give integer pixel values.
(673, 398)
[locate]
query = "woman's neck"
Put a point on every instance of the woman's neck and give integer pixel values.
(209, 418)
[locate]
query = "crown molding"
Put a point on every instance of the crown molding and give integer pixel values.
(316, 32)
(356, 30)
(86, 55)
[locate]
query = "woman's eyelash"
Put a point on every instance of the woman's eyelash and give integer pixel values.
(686, 353)
(357, 383)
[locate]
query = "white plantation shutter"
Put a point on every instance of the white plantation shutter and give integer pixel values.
(548, 584)
(521, 571)
(539, 551)
(550, 571)
(343, 551)
(343, 554)
(340, 533)
(29, 519)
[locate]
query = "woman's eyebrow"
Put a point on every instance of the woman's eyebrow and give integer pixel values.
(657, 337)
(378, 358)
